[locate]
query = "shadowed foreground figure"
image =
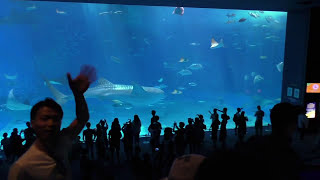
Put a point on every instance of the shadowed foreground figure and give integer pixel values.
(185, 167)
(47, 158)
(267, 157)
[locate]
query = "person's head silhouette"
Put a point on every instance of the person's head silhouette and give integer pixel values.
(88, 125)
(259, 107)
(28, 124)
(225, 110)
(284, 117)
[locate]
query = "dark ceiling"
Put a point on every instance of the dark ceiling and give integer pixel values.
(272, 5)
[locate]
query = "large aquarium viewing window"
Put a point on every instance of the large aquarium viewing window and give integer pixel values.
(179, 62)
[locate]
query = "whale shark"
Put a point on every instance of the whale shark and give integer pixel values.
(134, 95)
(14, 105)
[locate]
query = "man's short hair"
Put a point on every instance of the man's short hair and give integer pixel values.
(283, 114)
(48, 102)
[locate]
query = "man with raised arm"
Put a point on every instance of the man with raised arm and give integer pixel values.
(47, 158)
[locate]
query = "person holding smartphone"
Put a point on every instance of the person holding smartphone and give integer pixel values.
(223, 127)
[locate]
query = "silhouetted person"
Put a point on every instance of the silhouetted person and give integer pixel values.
(274, 152)
(153, 113)
(190, 135)
(198, 134)
(167, 150)
(104, 129)
(214, 126)
(29, 136)
(155, 131)
(47, 158)
(242, 122)
(87, 137)
(223, 127)
(114, 138)
(267, 157)
(203, 127)
(100, 145)
(127, 140)
(259, 118)
(179, 140)
(213, 115)
(167, 142)
(5, 143)
(236, 117)
(16, 145)
(136, 123)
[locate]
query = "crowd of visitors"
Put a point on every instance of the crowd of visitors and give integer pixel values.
(46, 152)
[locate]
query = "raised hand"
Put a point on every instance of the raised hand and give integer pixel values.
(81, 83)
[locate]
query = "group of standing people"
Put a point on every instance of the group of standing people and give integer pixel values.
(47, 157)
(13, 146)
(240, 121)
(178, 137)
(111, 140)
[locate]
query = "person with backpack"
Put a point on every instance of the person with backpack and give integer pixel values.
(155, 131)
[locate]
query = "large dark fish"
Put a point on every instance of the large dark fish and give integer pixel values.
(242, 19)
(231, 15)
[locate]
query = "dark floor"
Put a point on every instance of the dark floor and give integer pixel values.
(306, 148)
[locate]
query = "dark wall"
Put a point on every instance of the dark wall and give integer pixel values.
(313, 59)
(313, 70)
(296, 49)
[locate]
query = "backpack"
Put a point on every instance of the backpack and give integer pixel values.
(236, 118)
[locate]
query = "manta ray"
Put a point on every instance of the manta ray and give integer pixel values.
(215, 44)
(134, 95)
(10, 77)
(14, 105)
(263, 102)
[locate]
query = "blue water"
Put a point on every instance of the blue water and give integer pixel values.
(142, 46)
